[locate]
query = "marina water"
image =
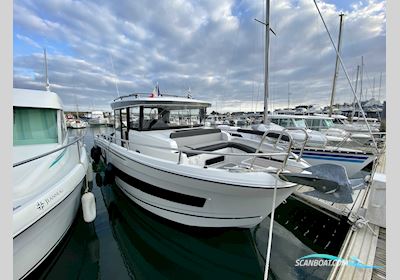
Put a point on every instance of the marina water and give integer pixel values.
(128, 242)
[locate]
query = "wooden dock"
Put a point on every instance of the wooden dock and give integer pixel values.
(366, 239)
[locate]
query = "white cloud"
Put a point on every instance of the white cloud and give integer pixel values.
(214, 47)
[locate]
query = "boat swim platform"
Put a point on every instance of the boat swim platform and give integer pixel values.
(366, 238)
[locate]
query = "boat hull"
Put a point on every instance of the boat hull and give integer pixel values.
(191, 199)
(35, 243)
(352, 162)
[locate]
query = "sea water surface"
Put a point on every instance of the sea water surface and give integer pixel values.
(127, 242)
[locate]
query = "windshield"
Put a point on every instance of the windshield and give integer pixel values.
(300, 123)
(155, 118)
(34, 126)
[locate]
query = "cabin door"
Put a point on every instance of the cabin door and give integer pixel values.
(124, 127)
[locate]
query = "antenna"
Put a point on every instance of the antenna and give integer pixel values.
(115, 76)
(47, 84)
(189, 94)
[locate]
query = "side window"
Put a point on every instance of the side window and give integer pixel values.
(124, 119)
(275, 121)
(315, 124)
(285, 123)
(134, 117)
(63, 126)
(117, 119)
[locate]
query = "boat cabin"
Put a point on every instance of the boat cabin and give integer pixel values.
(288, 121)
(38, 118)
(135, 113)
(314, 122)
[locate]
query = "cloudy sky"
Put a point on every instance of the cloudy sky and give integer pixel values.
(215, 48)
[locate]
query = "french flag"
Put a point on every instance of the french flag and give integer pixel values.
(156, 91)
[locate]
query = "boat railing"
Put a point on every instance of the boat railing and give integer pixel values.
(286, 154)
(75, 141)
(281, 133)
(306, 137)
(145, 94)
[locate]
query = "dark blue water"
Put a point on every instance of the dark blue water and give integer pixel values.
(128, 242)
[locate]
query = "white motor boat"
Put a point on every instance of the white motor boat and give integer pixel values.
(316, 150)
(315, 138)
(49, 174)
(78, 124)
(170, 164)
(187, 173)
(97, 118)
(337, 128)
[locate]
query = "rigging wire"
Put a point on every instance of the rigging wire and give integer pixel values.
(347, 76)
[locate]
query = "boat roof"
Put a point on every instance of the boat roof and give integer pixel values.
(36, 99)
(333, 116)
(287, 116)
(317, 116)
(136, 100)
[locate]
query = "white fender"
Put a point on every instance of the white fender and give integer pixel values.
(88, 207)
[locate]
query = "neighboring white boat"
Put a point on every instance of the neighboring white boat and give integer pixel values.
(346, 135)
(213, 120)
(316, 150)
(358, 125)
(188, 173)
(78, 124)
(314, 139)
(97, 118)
(48, 177)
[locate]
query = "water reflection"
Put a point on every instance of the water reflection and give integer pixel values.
(76, 257)
(154, 248)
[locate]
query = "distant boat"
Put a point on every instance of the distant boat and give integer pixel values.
(97, 118)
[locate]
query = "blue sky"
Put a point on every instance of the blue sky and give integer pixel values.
(213, 47)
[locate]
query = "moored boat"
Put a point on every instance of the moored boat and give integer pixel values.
(49, 175)
(166, 161)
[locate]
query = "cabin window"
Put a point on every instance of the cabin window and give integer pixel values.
(275, 121)
(34, 126)
(327, 123)
(171, 117)
(134, 115)
(313, 124)
(124, 120)
(285, 123)
(117, 119)
(300, 123)
(63, 126)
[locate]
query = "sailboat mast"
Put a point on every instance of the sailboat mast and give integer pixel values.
(355, 90)
(373, 88)
(361, 75)
(266, 60)
(380, 85)
(336, 65)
